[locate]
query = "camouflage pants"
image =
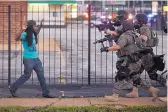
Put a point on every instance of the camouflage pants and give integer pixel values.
(147, 61)
(147, 64)
(133, 74)
(157, 77)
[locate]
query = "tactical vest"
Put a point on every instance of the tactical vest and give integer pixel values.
(141, 44)
(153, 40)
(130, 48)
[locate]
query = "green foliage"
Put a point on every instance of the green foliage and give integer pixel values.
(94, 108)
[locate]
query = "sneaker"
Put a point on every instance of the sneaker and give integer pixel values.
(12, 92)
(48, 96)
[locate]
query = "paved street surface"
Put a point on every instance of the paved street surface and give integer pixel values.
(66, 61)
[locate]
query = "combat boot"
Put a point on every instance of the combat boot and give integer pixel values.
(163, 99)
(154, 92)
(134, 93)
(113, 98)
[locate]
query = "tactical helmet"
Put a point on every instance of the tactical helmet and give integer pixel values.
(127, 25)
(123, 13)
(142, 18)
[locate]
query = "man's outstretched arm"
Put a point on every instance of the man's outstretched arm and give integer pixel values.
(39, 28)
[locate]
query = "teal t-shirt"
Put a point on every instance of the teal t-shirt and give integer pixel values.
(29, 51)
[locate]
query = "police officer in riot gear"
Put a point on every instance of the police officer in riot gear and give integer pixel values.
(148, 58)
(121, 16)
(128, 63)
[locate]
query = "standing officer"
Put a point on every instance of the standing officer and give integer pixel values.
(150, 62)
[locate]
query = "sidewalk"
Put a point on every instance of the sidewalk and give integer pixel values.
(34, 102)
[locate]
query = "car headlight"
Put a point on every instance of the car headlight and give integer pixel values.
(103, 17)
(110, 17)
(130, 16)
(150, 15)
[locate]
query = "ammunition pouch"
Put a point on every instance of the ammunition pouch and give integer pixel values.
(145, 51)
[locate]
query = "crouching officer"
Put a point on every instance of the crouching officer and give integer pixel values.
(128, 63)
(150, 62)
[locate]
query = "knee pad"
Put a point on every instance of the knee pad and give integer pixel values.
(136, 82)
(123, 73)
(118, 64)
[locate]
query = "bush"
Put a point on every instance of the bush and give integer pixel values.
(100, 108)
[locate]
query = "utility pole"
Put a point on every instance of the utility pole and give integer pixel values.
(133, 3)
(142, 5)
(128, 2)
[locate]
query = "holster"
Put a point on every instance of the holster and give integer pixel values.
(134, 57)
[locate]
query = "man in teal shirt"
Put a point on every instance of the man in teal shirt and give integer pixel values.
(31, 60)
(29, 51)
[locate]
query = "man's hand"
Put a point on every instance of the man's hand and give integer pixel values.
(23, 27)
(114, 48)
(42, 21)
(107, 31)
(144, 37)
(104, 49)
